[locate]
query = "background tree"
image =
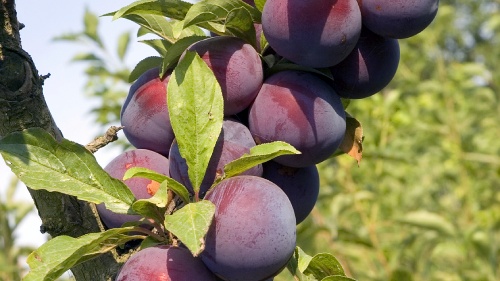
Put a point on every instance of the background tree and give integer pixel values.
(423, 205)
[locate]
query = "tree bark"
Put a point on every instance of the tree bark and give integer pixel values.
(22, 106)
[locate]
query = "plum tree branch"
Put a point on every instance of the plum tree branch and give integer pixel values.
(22, 106)
(111, 135)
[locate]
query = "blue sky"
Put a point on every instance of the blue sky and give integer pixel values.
(64, 89)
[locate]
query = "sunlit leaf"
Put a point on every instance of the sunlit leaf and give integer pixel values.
(191, 223)
(170, 183)
(61, 253)
(195, 107)
(66, 167)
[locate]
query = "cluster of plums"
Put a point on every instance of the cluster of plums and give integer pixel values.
(354, 43)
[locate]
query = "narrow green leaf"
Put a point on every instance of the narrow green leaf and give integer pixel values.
(427, 220)
(191, 223)
(61, 253)
(175, 51)
(88, 57)
(323, 265)
(72, 37)
(91, 23)
(195, 106)
(258, 154)
(41, 162)
(123, 43)
(170, 183)
(175, 9)
(143, 66)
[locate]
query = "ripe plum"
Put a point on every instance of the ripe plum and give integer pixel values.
(164, 263)
(144, 114)
(398, 19)
(301, 109)
(368, 68)
(317, 33)
(253, 234)
(301, 185)
(140, 187)
(237, 67)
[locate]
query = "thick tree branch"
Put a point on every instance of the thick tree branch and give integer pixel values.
(22, 105)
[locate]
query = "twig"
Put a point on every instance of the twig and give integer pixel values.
(100, 142)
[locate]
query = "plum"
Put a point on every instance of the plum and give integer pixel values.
(368, 68)
(164, 263)
(301, 109)
(398, 19)
(301, 185)
(234, 141)
(237, 67)
(140, 187)
(253, 233)
(314, 33)
(144, 114)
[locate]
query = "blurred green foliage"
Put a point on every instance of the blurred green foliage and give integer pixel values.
(424, 204)
(12, 213)
(105, 69)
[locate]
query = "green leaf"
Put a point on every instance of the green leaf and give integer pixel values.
(176, 50)
(305, 267)
(303, 259)
(216, 11)
(191, 223)
(427, 220)
(195, 106)
(156, 24)
(123, 43)
(338, 278)
(263, 43)
(296, 262)
(143, 66)
(239, 23)
(149, 242)
(61, 253)
(259, 4)
(258, 154)
(87, 57)
(153, 207)
(91, 23)
(168, 8)
(171, 184)
(41, 162)
(323, 265)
